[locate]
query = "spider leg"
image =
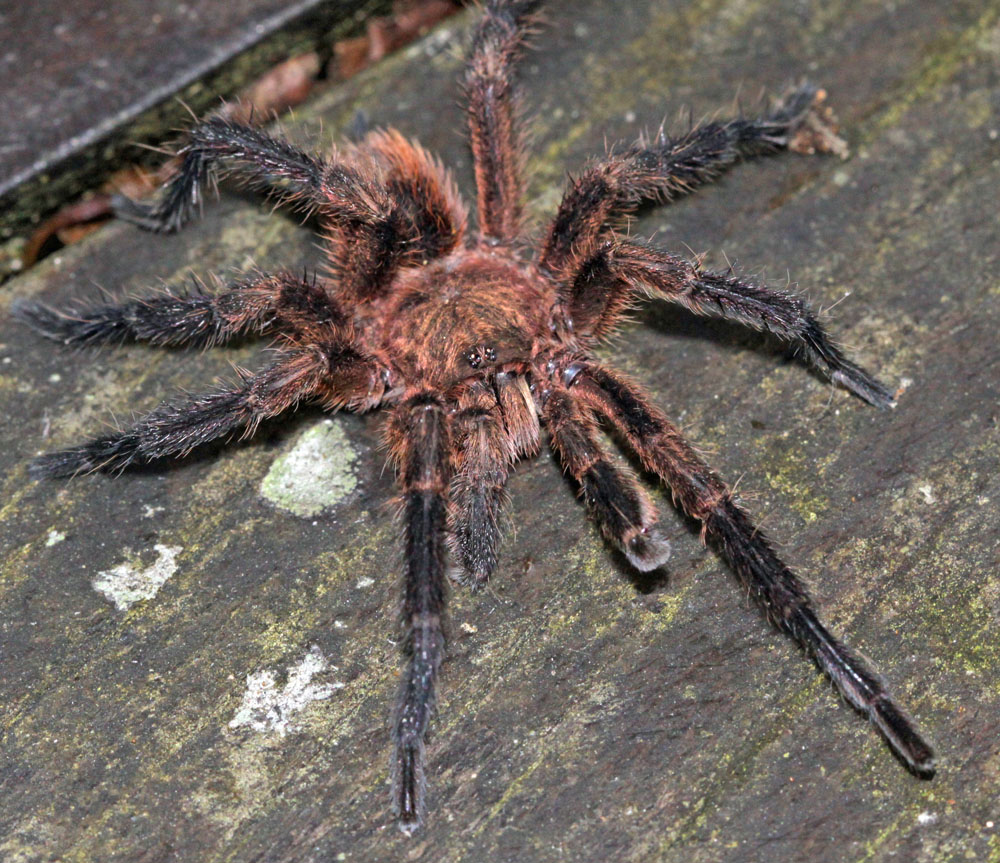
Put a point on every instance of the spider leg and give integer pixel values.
(494, 427)
(333, 372)
(397, 208)
(419, 441)
(477, 494)
(493, 123)
(249, 153)
(784, 599)
(416, 216)
(619, 505)
(619, 270)
(423, 188)
(253, 304)
(670, 167)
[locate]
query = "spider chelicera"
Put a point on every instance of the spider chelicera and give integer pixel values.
(471, 346)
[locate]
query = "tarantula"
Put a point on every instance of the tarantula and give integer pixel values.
(473, 345)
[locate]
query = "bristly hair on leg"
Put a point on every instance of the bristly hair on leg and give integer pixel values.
(419, 438)
(619, 271)
(776, 589)
(494, 133)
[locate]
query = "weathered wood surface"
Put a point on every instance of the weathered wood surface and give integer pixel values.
(584, 716)
(83, 82)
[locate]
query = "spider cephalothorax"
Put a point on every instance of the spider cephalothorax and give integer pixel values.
(472, 345)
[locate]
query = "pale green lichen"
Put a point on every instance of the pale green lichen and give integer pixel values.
(129, 582)
(316, 473)
(266, 708)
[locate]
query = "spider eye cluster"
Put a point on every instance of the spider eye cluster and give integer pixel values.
(479, 354)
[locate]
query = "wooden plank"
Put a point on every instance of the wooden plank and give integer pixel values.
(585, 716)
(84, 83)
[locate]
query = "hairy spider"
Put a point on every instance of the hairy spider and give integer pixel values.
(472, 345)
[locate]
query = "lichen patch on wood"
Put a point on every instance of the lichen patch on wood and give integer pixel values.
(266, 708)
(315, 473)
(131, 582)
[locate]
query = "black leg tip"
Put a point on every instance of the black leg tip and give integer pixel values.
(97, 325)
(146, 216)
(408, 779)
(647, 550)
(40, 318)
(128, 210)
(903, 737)
(110, 454)
(408, 825)
(473, 578)
(55, 465)
(25, 310)
(794, 104)
(865, 387)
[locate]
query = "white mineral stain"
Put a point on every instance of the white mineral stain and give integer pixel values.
(266, 708)
(317, 472)
(54, 537)
(128, 583)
